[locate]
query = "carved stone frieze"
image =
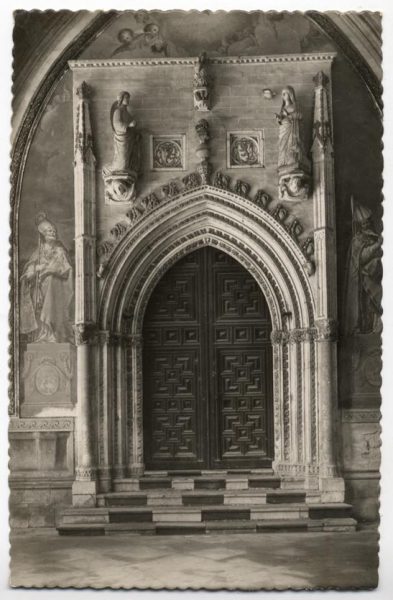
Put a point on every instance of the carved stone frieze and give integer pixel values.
(359, 415)
(42, 424)
(191, 182)
(85, 473)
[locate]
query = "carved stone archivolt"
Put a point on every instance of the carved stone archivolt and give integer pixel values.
(194, 182)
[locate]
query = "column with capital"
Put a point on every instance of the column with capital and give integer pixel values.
(84, 487)
(330, 484)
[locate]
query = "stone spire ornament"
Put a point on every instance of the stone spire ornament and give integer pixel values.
(201, 84)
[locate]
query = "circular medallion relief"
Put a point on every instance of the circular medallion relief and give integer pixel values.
(47, 380)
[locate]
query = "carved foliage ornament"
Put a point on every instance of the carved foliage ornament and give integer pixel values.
(192, 181)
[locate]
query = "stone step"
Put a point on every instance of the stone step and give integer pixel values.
(285, 497)
(189, 481)
(331, 510)
(179, 497)
(210, 527)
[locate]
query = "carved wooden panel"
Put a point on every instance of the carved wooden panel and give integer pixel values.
(207, 367)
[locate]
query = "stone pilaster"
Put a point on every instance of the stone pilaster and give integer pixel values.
(330, 485)
(84, 487)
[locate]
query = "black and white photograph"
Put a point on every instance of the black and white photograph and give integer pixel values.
(195, 325)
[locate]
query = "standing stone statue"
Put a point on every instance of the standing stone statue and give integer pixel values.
(293, 164)
(363, 294)
(120, 176)
(47, 289)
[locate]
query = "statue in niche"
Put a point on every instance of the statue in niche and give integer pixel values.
(201, 85)
(47, 289)
(363, 310)
(293, 164)
(121, 175)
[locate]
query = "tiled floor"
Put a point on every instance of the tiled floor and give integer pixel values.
(242, 561)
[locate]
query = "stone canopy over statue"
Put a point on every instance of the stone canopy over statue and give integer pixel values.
(47, 289)
(293, 164)
(363, 310)
(121, 174)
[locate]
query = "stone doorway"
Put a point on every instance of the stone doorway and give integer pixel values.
(207, 368)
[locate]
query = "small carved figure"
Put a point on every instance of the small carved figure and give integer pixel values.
(292, 159)
(201, 84)
(47, 288)
(363, 310)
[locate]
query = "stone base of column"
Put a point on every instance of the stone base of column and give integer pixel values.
(137, 469)
(104, 479)
(332, 489)
(84, 493)
(119, 472)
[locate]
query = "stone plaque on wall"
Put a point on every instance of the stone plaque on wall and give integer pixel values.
(244, 149)
(168, 152)
(48, 377)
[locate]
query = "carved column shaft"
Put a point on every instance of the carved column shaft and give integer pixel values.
(85, 294)
(105, 400)
(119, 414)
(135, 450)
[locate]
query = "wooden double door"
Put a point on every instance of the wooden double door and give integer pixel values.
(207, 368)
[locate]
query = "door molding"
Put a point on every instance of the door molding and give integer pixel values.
(211, 217)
